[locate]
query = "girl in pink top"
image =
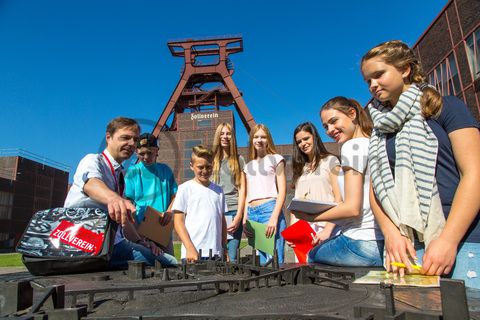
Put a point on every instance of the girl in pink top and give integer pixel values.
(266, 188)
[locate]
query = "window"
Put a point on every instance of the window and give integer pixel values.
(187, 154)
(473, 53)
(6, 203)
(445, 77)
(205, 123)
(188, 174)
(189, 144)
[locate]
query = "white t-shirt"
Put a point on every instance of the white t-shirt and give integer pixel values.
(354, 154)
(203, 208)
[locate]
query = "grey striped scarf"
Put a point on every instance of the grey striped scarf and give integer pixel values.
(411, 200)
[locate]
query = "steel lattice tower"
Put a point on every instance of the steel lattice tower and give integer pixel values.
(206, 80)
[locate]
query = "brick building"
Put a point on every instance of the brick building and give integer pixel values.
(28, 184)
(450, 52)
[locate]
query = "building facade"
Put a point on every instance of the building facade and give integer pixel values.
(27, 186)
(450, 52)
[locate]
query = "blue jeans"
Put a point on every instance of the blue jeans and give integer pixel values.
(234, 244)
(346, 252)
(262, 214)
(127, 250)
(467, 263)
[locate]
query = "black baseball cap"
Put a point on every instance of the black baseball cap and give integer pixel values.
(147, 140)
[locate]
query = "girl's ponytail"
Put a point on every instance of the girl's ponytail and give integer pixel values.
(431, 102)
(363, 118)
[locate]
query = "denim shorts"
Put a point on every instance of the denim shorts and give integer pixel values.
(347, 252)
(262, 214)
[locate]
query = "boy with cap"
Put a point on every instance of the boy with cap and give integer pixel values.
(149, 183)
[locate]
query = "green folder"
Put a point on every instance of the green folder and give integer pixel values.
(260, 240)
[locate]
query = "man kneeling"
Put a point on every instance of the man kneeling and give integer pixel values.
(99, 183)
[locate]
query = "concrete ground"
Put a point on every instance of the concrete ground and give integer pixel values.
(7, 270)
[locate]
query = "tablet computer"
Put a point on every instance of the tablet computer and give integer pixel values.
(151, 228)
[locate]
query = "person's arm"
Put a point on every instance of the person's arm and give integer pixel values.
(337, 197)
(119, 209)
(398, 248)
(224, 236)
(245, 210)
(282, 192)
(172, 187)
(324, 234)
(181, 230)
(350, 207)
(440, 255)
(241, 205)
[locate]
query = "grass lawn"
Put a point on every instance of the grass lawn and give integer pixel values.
(11, 260)
(15, 259)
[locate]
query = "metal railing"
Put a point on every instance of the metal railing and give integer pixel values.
(17, 152)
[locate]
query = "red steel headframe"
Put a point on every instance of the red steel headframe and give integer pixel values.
(187, 95)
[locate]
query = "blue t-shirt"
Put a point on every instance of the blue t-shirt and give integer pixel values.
(455, 115)
(152, 185)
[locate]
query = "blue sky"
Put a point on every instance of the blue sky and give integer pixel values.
(68, 67)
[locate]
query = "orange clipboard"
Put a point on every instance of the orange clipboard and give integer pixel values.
(151, 228)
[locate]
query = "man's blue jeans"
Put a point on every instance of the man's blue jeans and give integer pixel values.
(127, 250)
(262, 214)
(347, 252)
(234, 244)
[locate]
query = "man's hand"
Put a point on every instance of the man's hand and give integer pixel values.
(121, 210)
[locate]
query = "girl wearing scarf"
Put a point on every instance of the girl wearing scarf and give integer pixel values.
(423, 159)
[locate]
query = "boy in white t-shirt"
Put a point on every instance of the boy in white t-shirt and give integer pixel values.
(199, 208)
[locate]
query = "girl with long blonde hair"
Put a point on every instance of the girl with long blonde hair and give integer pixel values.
(266, 188)
(228, 173)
